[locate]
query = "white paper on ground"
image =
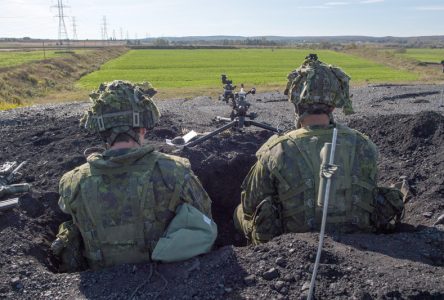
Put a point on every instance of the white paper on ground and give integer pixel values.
(187, 137)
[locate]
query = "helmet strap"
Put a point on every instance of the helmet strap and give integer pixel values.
(131, 133)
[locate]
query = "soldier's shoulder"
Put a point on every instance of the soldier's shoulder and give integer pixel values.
(361, 138)
(168, 161)
(76, 174)
(276, 143)
(69, 184)
(172, 169)
(271, 143)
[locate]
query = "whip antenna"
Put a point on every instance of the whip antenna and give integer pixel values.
(328, 172)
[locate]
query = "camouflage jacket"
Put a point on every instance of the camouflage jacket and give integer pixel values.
(123, 200)
(287, 171)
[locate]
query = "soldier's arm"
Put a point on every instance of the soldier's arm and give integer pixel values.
(67, 191)
(193, 192)
(256, 187)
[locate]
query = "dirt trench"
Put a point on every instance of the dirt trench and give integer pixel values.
(221, 164)
(55, 145)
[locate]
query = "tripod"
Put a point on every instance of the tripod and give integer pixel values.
(238, 123)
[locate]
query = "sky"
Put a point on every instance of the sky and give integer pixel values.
(162, 18)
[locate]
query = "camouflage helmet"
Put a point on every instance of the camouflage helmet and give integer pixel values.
(315, 83)
(120, 106)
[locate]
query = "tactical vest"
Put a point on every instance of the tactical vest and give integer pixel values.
(353, 185)
(119, 214)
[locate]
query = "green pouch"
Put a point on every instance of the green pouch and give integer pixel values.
(190, 233)
(266, 222)
(389, 208)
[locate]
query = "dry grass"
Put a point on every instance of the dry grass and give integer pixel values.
(427, 73)
(62, 97)
(48, 80)
(6, 106)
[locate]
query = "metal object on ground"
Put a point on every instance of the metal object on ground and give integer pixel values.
(8, 173)
(8, 204)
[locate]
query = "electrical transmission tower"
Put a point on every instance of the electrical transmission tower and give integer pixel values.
(63, 33)
(74, 29)
(104, 29)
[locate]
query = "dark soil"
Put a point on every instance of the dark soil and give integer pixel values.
(408, 264)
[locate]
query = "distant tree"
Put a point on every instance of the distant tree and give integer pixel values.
(161, 42)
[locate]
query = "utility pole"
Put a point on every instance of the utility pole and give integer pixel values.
(121, 33)
(63, 33)
(74, 29)
(114, 35)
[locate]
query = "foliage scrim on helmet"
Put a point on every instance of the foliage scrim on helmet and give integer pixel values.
(121, 105)
(315, 82)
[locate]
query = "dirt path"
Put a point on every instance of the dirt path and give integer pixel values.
(406, 122)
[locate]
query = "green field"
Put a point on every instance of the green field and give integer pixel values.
(14, 58)
(424, 55)
(182, 69)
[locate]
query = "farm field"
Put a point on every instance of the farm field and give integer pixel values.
(201, 69)
(15, 58)
(424, 55)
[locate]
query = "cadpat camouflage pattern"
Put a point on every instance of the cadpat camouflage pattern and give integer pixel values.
(119, 106)
(280, 193)
(315, 82)
(123, 200)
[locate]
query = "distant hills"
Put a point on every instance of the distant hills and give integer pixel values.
(436, 41)
(307, 39)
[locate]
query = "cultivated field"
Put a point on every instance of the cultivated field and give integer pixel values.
(15, 58)
(200, 69)
(424, 55)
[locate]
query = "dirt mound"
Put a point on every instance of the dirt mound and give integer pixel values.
(405, 265)
(411, 146)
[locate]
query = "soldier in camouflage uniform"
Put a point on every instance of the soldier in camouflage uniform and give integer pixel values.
(122, 200)
(280, 193)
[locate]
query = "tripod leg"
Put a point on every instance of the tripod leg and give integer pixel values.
(262, 125)
(211, 134)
